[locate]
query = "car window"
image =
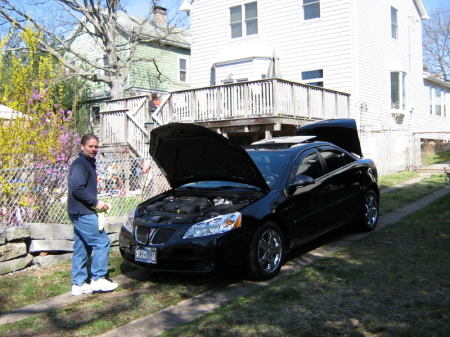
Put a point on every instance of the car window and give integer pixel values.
(269, 161)
(310, 166)
(335, 159)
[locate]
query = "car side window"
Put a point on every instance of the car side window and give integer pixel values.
(335, 159)
(310, 166)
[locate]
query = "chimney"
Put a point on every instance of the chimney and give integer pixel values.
(160, 16)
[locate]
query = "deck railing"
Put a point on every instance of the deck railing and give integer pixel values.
(264, 98)
(123, 121)
(123, 124)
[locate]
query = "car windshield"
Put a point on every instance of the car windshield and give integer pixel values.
(270, 163)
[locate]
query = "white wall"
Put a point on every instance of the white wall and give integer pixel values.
(351, 42)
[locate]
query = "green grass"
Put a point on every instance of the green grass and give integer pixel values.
(20, 289)
(430, 158)
(407, 194)
(392, 283)
(389, 180)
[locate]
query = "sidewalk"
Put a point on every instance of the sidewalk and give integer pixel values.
(186, 311)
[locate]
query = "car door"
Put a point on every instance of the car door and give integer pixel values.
(310, 205)
(346, 176)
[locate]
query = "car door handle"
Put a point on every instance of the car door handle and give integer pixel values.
(328, 188)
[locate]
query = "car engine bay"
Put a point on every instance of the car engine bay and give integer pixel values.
(189, 209)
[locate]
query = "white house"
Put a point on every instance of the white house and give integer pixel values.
(369, 49)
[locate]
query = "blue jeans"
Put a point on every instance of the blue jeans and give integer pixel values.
(87, 240)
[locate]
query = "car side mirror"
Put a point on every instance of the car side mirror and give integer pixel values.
(300, 181)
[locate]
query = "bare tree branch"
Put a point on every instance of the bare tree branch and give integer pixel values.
(103, 21)
(436, 42)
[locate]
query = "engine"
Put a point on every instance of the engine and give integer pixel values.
(189, 209)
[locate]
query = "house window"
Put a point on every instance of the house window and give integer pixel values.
(250, 26)
(313, 77)
(437, 102)
(95, 113)
(182, 64)
(311, 9)
(106, 65)
(398, 90)
(394, 24)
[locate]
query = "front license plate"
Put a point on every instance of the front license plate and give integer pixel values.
(145, 254)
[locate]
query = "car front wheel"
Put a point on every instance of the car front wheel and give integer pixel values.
(266, 252)
(369, 211)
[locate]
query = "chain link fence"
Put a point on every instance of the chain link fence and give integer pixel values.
(392, 151)
(39, 194)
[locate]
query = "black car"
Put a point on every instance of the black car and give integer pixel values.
(234, 206)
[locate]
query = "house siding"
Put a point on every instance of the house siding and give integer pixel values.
(351, 42)
(143, 74)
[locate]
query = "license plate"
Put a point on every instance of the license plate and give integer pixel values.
(145, 254)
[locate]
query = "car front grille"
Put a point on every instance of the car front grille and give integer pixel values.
(155, 236)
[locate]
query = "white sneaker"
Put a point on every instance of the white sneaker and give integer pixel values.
(79, 290)
(103, 285)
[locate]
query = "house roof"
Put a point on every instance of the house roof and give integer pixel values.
(242, 50)
(436, 80)
(186, 6)
(170, 34)
(421, 8)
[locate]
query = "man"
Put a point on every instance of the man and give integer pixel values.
(81, 204)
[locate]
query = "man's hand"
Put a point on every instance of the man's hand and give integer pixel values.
(102, 206)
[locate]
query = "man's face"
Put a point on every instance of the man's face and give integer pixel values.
(91, 148)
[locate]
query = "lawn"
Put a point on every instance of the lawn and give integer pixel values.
(392, 283)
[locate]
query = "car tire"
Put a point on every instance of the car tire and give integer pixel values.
(266, 254)
(369, 212)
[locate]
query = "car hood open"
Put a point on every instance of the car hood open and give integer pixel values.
(188, 153)
(341, 132)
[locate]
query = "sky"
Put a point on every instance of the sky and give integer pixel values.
(431, 5)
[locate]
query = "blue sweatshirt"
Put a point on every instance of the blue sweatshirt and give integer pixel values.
(82, 186)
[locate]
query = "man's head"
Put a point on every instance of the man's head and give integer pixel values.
(89, 145)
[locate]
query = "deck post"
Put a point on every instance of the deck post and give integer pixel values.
(246, 100)
(193, 108)
(275, 98)
(308, 98)
(219, 112)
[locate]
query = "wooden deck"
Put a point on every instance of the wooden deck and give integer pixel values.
(257, 109)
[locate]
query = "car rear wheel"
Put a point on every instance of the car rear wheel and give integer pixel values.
(266, 252)
(369, 211)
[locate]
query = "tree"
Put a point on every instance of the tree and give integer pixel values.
(100, 20)
(436, 42)
(39, 132)
(38, 135)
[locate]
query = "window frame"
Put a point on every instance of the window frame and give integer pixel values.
(343, 158)
(394, 23)
(401, 92)
(181, 71)
(308, 78)
(443, 95)
(106, 65)
(307, 5)
(302, 159)
(244, 20)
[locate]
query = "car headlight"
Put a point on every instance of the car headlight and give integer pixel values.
(128, 225)
(217, 225)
